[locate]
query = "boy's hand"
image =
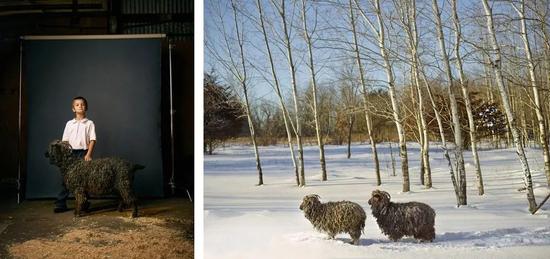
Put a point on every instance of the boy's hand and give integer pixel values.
(87, 158)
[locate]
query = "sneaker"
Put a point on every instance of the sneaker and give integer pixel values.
(60, 209)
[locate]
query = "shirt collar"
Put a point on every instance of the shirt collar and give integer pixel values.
(83, 120)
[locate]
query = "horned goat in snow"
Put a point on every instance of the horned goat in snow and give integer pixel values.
(335, 217)
(396, 220)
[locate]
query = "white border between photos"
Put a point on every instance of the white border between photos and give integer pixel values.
(199, 132)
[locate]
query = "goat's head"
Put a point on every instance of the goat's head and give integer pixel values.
(310, 201)
(379, 198)
(58, 151)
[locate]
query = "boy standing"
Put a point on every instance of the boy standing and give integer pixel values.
(80, 133)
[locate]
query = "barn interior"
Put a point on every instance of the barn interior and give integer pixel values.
(172, 18)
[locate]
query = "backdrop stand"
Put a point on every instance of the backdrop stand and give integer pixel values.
(172, 182)
(19, 133)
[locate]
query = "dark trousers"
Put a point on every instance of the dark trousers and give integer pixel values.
(61, 200)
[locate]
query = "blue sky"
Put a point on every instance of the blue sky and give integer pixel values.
(332, 53)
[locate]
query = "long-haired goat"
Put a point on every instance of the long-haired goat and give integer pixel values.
(335, 217)
(396, 220)
(96, 177)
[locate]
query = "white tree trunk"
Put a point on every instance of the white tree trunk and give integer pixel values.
(496, 62)
(243, 80)
(292, 69)
(365, 97)
(467, 102)
(408, 19)
(318, 131)
(393, 96)
(490, 95)
(443, 140)
(380, 34)
(392, 160)
(454, 109)
(282, 105)
(536, 94)
(414, 95)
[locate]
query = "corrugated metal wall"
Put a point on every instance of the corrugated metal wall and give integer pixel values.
(174, 29)
(157, 6)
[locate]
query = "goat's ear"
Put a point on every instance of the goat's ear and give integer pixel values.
(47, 155)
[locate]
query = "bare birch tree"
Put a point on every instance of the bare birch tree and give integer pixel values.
(443, 139)
(311, 65)
(241, 75)
(454, 108)
(364, 94)
(281, 10)
(496, 61)
(379, 32)
(543, 138)
(286, 116)
(407, 13)
(466, 96)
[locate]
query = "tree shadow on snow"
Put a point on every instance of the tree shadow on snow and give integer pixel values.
(490, 238)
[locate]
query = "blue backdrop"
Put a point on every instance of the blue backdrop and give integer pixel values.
(120, 78)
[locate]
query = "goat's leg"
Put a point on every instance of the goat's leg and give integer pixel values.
(129, 198)
(120, 205)
(80, 198)
(135, 211)
(134, 204)
(355, 236)
(86, 203)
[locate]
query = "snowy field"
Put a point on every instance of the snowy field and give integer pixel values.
(245, 221)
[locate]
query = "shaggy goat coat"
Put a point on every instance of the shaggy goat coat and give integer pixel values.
(96, 177)
(396, 220)
(335, 217)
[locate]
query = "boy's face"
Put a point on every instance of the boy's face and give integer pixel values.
(79, 106)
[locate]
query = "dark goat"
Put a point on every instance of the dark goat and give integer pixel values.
(396, 220)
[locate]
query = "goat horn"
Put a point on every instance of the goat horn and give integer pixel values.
(387, 194)
(66, 144)
(314, 196)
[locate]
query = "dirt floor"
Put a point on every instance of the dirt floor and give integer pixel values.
(164, 229)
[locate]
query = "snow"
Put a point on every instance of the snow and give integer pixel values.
(243, 220)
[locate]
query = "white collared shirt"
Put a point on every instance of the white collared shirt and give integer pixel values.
(79, 133)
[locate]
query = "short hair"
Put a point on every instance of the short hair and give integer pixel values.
(83, 99)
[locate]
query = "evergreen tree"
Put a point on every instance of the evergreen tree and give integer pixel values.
(222, 114)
